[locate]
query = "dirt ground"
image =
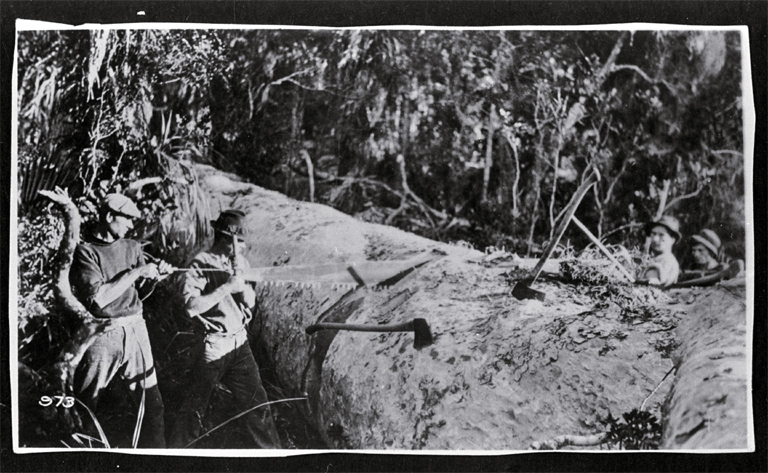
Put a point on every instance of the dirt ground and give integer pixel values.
(501, 373)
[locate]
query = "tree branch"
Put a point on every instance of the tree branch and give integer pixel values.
(679, 198)
(609, 192)
(620, 228)
(326, 177)
(310, 174)
(663, 200)
(603, 72)
(575, 440)
(644, 75)
(515, 183)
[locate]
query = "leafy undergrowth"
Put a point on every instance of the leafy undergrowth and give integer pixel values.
(637, 430)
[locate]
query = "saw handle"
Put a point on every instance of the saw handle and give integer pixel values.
(236, 269)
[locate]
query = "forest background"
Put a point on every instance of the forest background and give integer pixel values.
(478, 136)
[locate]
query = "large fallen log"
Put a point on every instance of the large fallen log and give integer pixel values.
(501, 374)
(708, 403)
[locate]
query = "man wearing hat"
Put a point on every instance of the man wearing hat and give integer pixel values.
(104, 273)
(705, 251)
(220, 302)
(663, 268)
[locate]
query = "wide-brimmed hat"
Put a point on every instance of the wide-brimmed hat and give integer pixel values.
(230, 222)
(118, 203)
(669, 222)
(709, 240)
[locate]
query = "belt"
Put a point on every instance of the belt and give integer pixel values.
(225, 334)
(127, 320)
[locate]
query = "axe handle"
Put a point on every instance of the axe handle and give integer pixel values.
(603, 249)
(404, 327)
(566, 219)
(235, 257)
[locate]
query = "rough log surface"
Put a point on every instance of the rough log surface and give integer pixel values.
(501, 374)
(707, 406)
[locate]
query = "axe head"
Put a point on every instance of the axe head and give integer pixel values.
(422, 335)
(523, 291)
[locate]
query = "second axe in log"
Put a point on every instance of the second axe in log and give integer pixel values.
(421, 332)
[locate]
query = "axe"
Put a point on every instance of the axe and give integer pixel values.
(421, 332)
(523, 290)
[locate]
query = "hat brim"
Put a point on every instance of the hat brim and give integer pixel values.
(215, 228)
(698, 240)
(649, 226)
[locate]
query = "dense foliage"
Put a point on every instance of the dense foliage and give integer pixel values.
(479, 136)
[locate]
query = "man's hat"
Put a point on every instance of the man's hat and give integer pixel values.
(230, 222)
(667, 221)
(121, 204)
(709, 240)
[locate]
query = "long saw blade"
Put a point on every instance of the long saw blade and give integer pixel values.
(347, 275)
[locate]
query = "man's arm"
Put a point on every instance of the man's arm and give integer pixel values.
(89, 282)
(113, 289)
(202, 303)
(663, 272)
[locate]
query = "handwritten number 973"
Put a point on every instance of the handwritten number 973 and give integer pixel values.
(66, 401)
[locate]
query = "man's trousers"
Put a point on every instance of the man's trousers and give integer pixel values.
(226, 359)
(123, 351)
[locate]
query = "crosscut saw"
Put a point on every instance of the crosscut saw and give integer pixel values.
(348, 275)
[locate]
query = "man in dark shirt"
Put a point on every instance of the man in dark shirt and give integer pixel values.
(104, 273)
(705, 255)
(705, 250)
(221, 302)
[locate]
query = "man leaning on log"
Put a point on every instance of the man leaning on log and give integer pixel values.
(104, 273)
(663, 270)
(220, 301)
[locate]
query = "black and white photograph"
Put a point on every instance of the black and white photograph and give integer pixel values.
(274, 240)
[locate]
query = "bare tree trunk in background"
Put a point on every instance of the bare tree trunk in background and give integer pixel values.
(516, 181)
(310, 174)
(659, 212)
(552, 218)
(405, 126)
(534, 217)
(489, 152)
(297, 113)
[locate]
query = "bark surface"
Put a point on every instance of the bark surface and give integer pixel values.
(501, 374)
(708, 403)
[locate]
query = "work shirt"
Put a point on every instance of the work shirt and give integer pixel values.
(96, 263)
(666, 266)
(226, 315)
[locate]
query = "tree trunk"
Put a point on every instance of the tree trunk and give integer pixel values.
(489, 152)
(659, 212)
(501, 373)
